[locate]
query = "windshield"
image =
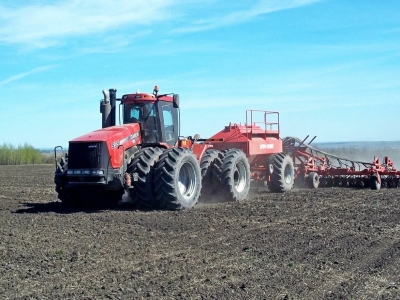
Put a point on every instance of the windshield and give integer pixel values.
(135, 112)
(145, 115)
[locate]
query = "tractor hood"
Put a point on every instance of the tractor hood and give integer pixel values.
(120, 135)
(117, 138)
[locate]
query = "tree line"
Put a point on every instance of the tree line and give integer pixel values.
(26, 154)
(22, 155)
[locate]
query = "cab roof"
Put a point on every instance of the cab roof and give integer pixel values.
(144, 97)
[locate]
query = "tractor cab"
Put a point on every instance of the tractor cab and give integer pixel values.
(156, 114)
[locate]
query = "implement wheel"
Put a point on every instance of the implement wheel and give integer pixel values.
(313, 180)
(235, 175)
(282, 177)
(143, 164)
(374, 184)
(177, 179)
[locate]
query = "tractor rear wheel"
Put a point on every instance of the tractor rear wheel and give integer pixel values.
(235, 175)
(209, 182)
(143, 164)
(177, 179)
(282, 177)
(313, 180)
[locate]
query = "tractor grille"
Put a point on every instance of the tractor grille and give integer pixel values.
(93, 155)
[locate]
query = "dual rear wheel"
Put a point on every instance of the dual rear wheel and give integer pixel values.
(179, 179)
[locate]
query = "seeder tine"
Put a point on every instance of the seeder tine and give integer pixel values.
(304, 140)
(312, 140)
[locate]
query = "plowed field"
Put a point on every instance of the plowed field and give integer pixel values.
(332, 243)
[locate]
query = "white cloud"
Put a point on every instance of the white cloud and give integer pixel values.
(48, 24)
(51, 23)
(241, 16)
(24, 74)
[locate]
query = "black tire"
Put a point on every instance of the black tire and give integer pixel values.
(235, 176)
(215, 174)
(313, 180)
(60, 180)
(177, 179)
(216, 169)
(209, 183)
(374, 184)
(70, 198)
(345, 183)
(143, 164)
(62, 166)
(107, 199)
(92, 197)
(282, 177)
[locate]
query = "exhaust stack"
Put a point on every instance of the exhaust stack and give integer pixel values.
(113, 99)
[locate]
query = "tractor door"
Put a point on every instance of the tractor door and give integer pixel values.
(169, 123)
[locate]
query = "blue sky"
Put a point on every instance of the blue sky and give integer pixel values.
(330, 67)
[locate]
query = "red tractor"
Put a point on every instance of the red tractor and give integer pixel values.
(147, 158)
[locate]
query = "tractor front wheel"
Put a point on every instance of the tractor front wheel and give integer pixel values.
(177, 179)
(70, 197)
(143, 164)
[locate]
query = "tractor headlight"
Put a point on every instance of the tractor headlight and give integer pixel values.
(98, 172)
(70, 172)
(77, 172)
(85, 172)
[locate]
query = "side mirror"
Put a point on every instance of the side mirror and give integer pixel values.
(175, 100)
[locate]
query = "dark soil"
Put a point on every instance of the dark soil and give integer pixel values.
(331, 243)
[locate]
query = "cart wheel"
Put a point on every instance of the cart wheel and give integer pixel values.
(313, 180)
(282, 177)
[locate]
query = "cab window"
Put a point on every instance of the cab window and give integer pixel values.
(168, 122)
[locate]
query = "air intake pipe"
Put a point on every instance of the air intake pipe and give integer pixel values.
(107, 107)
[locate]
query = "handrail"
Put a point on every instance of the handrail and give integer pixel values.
(264, 124)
